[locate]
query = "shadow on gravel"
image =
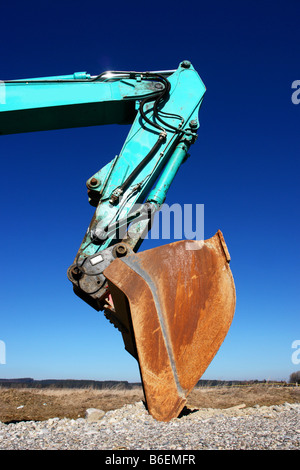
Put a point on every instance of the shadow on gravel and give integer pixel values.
(184, 412)
(187, 411)
(16, 421)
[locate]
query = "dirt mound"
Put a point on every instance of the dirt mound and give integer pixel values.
(38, 405)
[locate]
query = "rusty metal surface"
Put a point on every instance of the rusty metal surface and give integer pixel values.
(178, 301)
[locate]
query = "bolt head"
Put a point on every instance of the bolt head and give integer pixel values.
(94, 182)
(186, 64)
(76, 273)
(193, 123)
(120, 250)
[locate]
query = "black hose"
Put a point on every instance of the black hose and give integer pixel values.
(152, 123)
(142, 163)
(159, 98)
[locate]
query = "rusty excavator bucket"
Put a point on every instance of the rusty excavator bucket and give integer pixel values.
(174, 306)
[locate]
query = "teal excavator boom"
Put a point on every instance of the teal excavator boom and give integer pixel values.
(172, 320)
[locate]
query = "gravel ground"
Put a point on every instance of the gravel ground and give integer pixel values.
(132, 428)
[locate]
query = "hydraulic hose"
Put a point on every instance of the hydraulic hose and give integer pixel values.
(145, 160)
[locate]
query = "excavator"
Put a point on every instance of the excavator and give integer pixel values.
(173, 304)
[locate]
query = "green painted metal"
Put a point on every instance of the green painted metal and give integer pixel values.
(186, 96)
(78, 100)
(67, 101)
(159, 193)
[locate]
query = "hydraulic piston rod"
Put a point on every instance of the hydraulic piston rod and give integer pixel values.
(158, 194)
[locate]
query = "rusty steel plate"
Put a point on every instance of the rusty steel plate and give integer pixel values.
(176, 303)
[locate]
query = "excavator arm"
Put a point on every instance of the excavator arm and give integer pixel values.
(173, 304)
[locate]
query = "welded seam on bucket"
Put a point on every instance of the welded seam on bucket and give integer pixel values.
(133, 263)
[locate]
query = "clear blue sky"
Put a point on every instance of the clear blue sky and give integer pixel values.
(244, 168)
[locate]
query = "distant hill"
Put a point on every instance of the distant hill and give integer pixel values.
(66, 383)
(28, 382)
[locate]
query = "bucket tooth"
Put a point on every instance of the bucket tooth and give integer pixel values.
(177, 302)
